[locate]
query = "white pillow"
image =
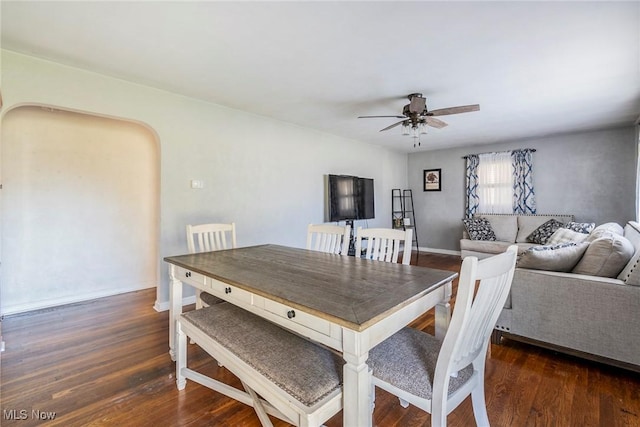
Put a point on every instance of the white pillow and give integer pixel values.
(606, 256)
(565, 235)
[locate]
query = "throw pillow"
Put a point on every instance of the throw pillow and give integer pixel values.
(560, 257)
(565, 235)
(479, 228)
(606, 256)
(541, 234)
(581, 227)
(612, 227)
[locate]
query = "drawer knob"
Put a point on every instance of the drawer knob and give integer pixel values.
(291, 314)
(227, 290)
(188, 274)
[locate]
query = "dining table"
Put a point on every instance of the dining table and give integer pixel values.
(347, 303)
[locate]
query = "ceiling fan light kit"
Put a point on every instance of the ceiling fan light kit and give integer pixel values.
(416, 117)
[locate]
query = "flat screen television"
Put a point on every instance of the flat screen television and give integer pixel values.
(350, 198)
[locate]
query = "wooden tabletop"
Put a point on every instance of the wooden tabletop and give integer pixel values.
(349, 291)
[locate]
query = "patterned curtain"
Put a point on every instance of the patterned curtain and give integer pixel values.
(524, 198)
(472, 200)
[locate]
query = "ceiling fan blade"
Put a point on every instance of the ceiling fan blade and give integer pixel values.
(435, 123)
(393, 125)
(374, 117)
(454, 110)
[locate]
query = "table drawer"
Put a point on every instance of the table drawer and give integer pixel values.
(299, 317)
(229, 292)
(188, 276)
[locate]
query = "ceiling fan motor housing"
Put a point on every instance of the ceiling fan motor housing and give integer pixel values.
(418, 104)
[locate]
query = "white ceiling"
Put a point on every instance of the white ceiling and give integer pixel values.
(535, 68)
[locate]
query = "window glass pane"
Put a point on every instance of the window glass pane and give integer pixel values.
(495, 188)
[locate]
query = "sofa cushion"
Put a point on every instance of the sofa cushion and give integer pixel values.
(541, 234)
(528, 223)
(562, 257)
(504, 226)
(565, 235)
(611, 227)
(479, 228)
(581, 227)
(605, 256)
(485, 246)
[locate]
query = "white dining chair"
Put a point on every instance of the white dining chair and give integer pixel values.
(207, 238)
(329, 238)
(436, 376)
(383, 244)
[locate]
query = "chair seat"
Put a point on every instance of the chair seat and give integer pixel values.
(418, 352)
(209, 299)
(303, 369)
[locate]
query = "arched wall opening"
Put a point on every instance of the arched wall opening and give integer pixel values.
(80, 207)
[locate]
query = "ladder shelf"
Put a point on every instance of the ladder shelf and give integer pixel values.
(402, 213)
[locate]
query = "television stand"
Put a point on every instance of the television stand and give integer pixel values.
(352, 243)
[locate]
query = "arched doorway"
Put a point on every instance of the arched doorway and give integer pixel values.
(80, 207)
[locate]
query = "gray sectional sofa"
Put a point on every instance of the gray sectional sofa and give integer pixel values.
(508, 229)
(588, 315)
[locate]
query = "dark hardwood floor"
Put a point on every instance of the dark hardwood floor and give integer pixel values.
(106, 363)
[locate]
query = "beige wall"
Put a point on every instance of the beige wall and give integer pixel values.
(266, 175)
(81, 197)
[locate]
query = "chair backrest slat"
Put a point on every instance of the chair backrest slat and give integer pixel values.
(328, 238)
(475, 317)
(210, 237)
(383, 244)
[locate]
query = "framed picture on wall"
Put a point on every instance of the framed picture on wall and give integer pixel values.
(432, 180)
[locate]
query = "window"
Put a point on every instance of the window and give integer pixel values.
(500, 183)
(495, 183)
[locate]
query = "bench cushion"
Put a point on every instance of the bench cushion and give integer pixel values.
(209, 299)
(306, 371)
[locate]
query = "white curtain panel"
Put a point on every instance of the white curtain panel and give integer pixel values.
(495, 187)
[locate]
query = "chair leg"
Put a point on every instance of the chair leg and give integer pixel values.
(372, 396)
(479, 405)
(181, 358)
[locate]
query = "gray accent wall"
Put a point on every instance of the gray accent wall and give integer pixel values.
(591, 175)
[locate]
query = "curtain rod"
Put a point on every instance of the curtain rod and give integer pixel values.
(533, 150)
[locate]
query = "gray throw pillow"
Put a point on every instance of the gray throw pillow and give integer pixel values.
(606, 256)
(479, 228)
(562, 257)
(541, 234)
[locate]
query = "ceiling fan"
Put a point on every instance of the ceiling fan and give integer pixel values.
(416, 115)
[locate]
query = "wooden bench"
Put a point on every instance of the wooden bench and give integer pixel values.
(299, 381)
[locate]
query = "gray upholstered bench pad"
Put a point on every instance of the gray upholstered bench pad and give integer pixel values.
(408, 359)
(306, 371)
(209, 299)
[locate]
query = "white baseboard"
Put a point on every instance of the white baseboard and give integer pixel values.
(54, 302)
(440, 251)
(164, 305)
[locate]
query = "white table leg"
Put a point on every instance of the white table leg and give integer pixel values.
(443, 312)
(175, 309)
(357, 380)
